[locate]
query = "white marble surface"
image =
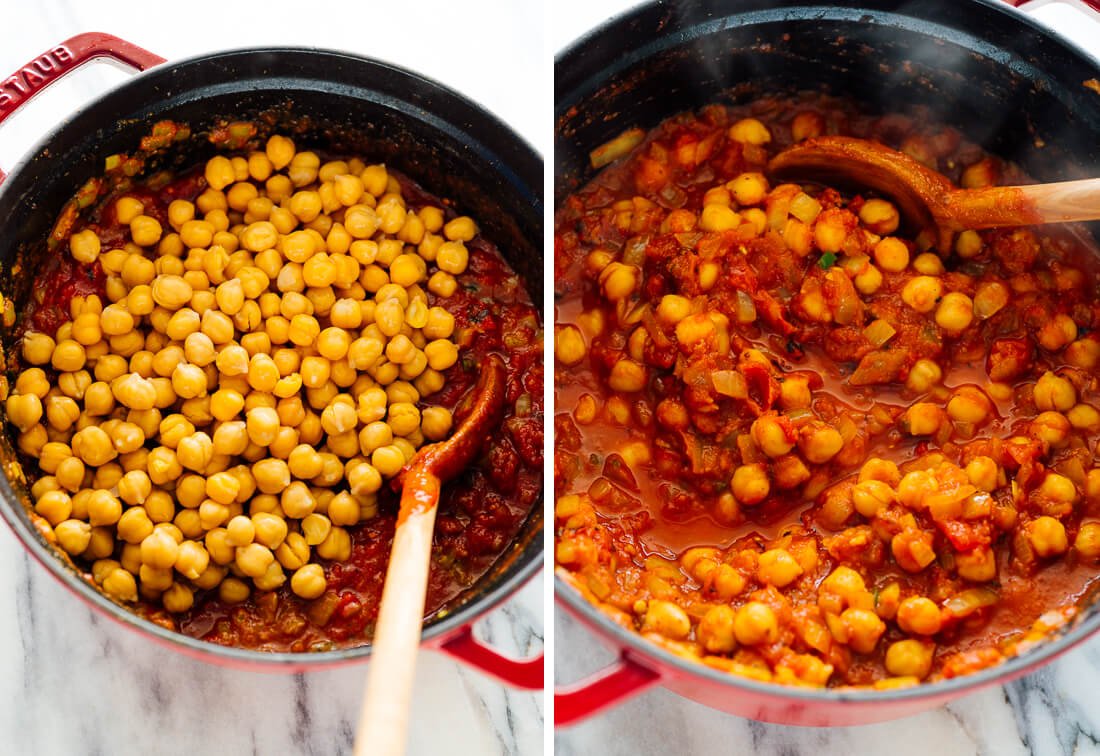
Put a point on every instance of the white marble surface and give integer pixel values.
(74, 683)
(1054, 711)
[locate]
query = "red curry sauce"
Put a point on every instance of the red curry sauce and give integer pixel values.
(772, 456)
(480, 512)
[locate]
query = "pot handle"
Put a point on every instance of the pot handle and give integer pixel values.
(1088, 5)
(526, 674)
(17, 89)
(610, 686)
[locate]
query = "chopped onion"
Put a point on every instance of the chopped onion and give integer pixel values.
(746, 308)
(616, 148)
(672, 196)
(730, 383)
(970, 601)
(879, 332)
(847, 427)
(634, 250)
(855, 264)
(989, 299)
(805, 208)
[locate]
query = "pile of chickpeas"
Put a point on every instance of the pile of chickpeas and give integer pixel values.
(250, 381)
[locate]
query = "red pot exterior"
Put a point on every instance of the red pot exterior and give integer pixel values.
(642, 665)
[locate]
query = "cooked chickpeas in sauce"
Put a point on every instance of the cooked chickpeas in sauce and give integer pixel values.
(796, 441)
(229, 371)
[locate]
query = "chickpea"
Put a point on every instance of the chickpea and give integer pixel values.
(1087, 542)
(308, 582)
(955, 312)
(145, 230)
(1081, 416)
(1058, 488)
(968, 244)
(24, 410)
(254, 559)
(1057, 332)
(819, 442)
(569, 346)
(778, 568)
(1083, 353)
(748, 189)
(979, 564)
(618, 281)
(435, 423)
(750, 484)
(627, 376)
(1053, 392)
(871, 497)
(922, 293)
(84, 246)
(879, 216)
(37, 348)
(715, 631)
(1052, 428)
(919, 615)
(923, 376)
(750, 131)
(969, 404)
(863, 627)
(73, 536)
(755, 623)
(806, 125)
(929, 264)
(666, 618)
(771, 436)
(984, 473)
(923, 419)
(120, 584)
(909, 658)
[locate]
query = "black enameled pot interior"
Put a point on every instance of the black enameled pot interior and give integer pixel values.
(1008, 84)
(326, 100)
(979, 66)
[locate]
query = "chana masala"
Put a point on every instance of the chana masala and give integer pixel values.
(794, 442)
(224, 371)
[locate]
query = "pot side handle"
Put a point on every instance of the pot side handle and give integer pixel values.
(610, 686)
(19, 88)
(526, 674)
(1063, 15)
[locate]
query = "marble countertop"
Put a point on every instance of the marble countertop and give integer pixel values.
(75, 682)
(1053, 711)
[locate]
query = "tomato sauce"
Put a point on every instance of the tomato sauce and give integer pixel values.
(480, 513)
(708, 501)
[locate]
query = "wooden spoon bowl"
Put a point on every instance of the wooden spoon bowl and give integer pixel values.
(926, 199)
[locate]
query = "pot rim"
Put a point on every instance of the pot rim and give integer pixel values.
(527, 563)
(661, 659)
(633, 643)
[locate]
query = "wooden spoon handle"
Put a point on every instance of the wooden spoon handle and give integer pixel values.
(1066, 201)
(384, 720)
(997, 206)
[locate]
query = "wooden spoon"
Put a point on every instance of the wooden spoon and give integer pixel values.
(927, 199)
(384, 719)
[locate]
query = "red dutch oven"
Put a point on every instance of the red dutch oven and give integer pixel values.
(1008, 83)
(352, 104)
